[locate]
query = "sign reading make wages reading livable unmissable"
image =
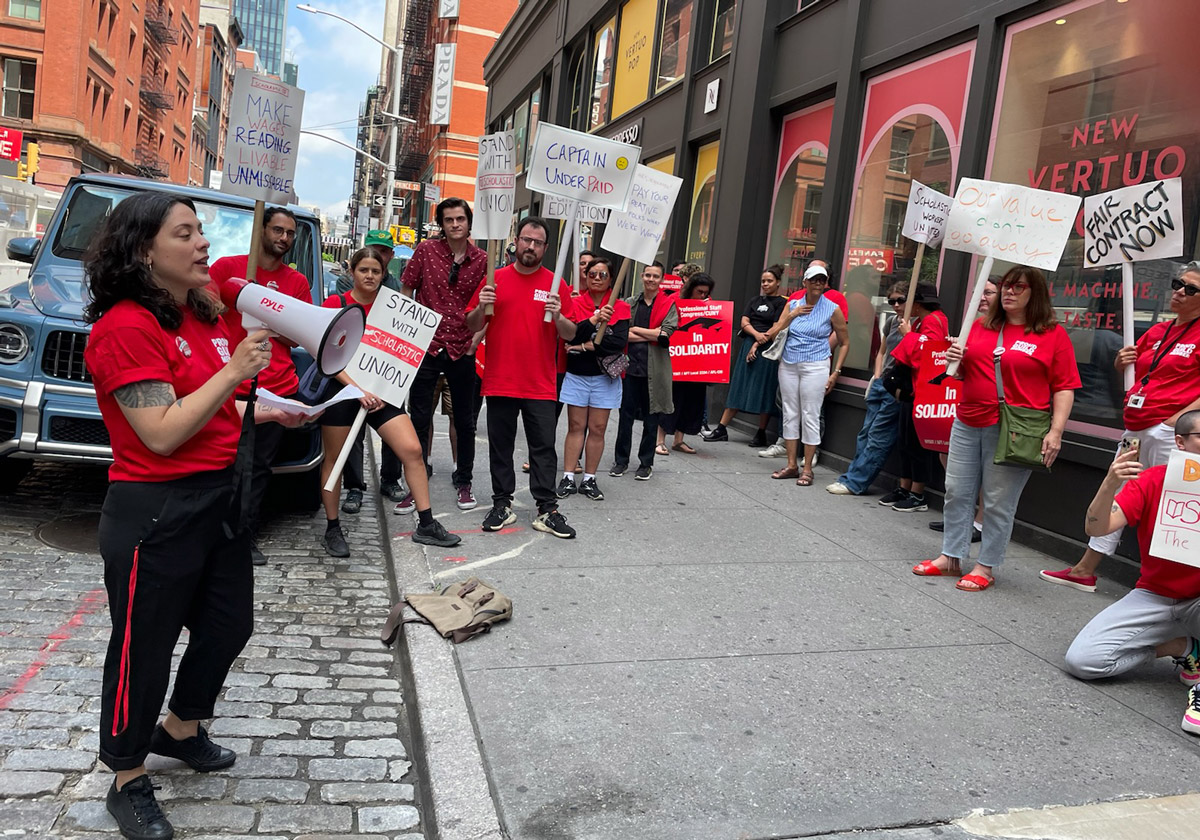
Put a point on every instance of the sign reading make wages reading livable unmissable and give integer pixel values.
(581, 166)
(264, 138)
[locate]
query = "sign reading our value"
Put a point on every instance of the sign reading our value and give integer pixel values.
(264, 138)
(934, 406)
(1010, 222)
(925, 218)
(637, 231)
(700, 344)
(581, 166)
(397, 335)
(495, 185)
(555, 207)
(1177, 525)
(1142, 222)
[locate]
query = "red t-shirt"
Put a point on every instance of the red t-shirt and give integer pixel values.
(1174, 383)
(933, 326)
(337, 302)
(522, 347)
(1034, 367)
(128, 345)
(280, 376)
(833, 294)
(1138, 500)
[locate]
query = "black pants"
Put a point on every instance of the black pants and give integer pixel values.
(460, 378)
(916, 462)
(352, 473)
(267, 439)
(635, 405)
(538, 418)
(169, 563)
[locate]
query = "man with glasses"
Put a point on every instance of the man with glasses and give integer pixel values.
(278, 236)
(444, 274)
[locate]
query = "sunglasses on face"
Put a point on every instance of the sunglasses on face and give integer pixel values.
(895, 301)
(454, 269)
(598, 275)
(1188, 288)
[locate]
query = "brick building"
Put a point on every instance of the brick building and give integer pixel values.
(216, 61)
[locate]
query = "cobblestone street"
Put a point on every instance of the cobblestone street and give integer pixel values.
(313, 707)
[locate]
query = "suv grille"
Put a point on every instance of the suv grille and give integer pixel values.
(8, 424)
(62, 356)
(75, 430)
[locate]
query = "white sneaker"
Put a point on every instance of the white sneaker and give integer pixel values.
(839, 489)
(775, 450)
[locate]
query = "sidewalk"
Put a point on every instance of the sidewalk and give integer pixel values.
(720, 655)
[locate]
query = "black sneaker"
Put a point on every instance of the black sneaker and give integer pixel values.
(759, 441)
(335, 542)
(717, 434)
(393, 490)
(897, 495)
(256, 555)
(554, 523)
(618, 470)
(499, 516)
(435, 534)
(591, 489)
(643, 473)
(198, 752)
(136, 811)
(353, 503)
(912, 504)
(938, 525)
(566, 487)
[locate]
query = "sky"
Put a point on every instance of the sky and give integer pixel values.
(337, 64)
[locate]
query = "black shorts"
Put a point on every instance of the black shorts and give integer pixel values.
(343, 413)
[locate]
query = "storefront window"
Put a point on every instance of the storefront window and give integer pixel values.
(1104, 99)
(635, 52)
(579, 91)
(722, 35)
(520, 132)
(602, 67)
(704, 188)
(673, 41)
(535, 108)
(799, 188)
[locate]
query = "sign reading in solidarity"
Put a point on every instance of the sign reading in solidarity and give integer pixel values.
(934, 406)
(398, 333)
(925, 218)
(700, 344)
(264, 138)
(495, 186)
(637, 231)
(1010, 222)
(581, 166)
(1142, 222)
(555, 207)
(1177, 525)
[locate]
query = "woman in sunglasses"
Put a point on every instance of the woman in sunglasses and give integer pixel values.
(1166, 384)
(1023, 339)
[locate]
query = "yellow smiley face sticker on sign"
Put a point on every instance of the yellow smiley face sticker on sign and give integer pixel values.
(622, 163)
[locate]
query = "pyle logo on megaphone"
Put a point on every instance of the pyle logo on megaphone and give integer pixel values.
(330, 335)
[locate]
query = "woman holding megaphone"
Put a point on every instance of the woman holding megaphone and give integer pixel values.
(391, 422)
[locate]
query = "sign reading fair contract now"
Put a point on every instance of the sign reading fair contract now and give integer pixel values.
(581, 166)
(264, 138)
(398, 333)
(700, 344)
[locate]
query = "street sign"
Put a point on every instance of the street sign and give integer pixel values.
(433, 193)
(377, 200)
(10, 143)
(408, 186)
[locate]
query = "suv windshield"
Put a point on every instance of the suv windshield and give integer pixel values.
(226, 228)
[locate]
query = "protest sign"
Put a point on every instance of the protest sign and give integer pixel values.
(1142, 222)
(671, 283)
(1177, 525)
(1010, 222)
(637, 231)
(264, 138)
(556, 207)
(581, 166)
(925, 218)
(700, 344)
(934, 405)
(495, 186)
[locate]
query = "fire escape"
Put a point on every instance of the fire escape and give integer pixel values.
(414, 100)
(152, 91)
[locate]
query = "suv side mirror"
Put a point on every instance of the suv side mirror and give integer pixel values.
(23, 249)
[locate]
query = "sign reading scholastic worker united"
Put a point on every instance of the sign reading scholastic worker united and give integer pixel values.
(1177, 525)
(1010, 222)
(581, 166)
(495, 186)
(934, 406)
(264, 138)
(925, 218)
(398, 333)
(1142, 222)
(637, 231)
(700, 344)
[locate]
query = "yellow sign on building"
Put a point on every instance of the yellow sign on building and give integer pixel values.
(635, 55)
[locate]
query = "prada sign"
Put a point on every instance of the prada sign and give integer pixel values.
(443, 84)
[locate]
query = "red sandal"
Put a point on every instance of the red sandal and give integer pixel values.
(978, 583)
(926, 568)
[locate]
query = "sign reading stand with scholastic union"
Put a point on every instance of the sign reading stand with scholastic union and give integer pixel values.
(581, 166)
(398, 333)
(264, 139)
(1010, 222)
(495, 186)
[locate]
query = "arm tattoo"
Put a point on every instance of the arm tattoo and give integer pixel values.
(1116, 508)
(1093, 518)
(145, 394)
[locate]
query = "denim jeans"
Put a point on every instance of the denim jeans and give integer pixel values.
(968, 467)
(875, 439)
(1126, 633)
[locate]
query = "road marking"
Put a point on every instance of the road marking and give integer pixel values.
(92, 602)
(487, 561)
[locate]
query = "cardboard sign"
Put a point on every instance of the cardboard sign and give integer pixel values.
(925, 218)
(555, 207)
(934, 406)
(700, 344)
(495, 186)
(1177, 526)
(637, 231)
(398, 333)
(1142, 222)
(581, 166)
(264, 138)
(1010, 222)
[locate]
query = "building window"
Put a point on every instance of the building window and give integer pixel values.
(901, 143)
(19, 78)
(26, 9)
(673, 41)
(722, 35)
(602, 68)
(520, 129)
(812, 206)
(578, 117)
(799, 189)
(704, 188)
(893, 221)
(535, 109)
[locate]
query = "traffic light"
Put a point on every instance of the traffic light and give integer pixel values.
(31, 158)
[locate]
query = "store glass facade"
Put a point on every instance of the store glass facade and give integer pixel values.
(675, 34)
(799, 190)
(704, 189)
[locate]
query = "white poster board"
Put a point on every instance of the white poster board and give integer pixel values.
(264, 139)
(637, 231)
(1177, 525)
(1010, 222)
(495, 186)
(398, 333)
(1142, 222)
(925, 218)
(581, 166)
(556, 207)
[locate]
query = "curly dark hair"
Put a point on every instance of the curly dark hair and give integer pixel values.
(116, 263)
(697, 280)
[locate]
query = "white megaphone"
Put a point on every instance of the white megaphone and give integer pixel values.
(330, 335)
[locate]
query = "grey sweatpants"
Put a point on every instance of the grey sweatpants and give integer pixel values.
(1125, 634)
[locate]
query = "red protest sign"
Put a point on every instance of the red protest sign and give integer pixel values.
(934, 406)
(671, 283)
(10, 143)
(700, 344)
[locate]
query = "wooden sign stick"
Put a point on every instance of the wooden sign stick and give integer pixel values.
(260, 210)
(912, 281)
(493, 256)
(613, 298)
(985, 271)
(340, 463)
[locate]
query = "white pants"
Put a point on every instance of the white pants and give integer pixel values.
(802, 391)
(1154, 448)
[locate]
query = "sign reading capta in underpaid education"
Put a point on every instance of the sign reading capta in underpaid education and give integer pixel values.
(581, 166)
(264, 139)
(1142, 222)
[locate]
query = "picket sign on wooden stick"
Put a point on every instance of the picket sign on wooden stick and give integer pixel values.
(564, 247)
(985, 271)
(1127, 339)
(493, 256)
(912, 281)
(260, 210)
(614, 297)
(340, 464)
